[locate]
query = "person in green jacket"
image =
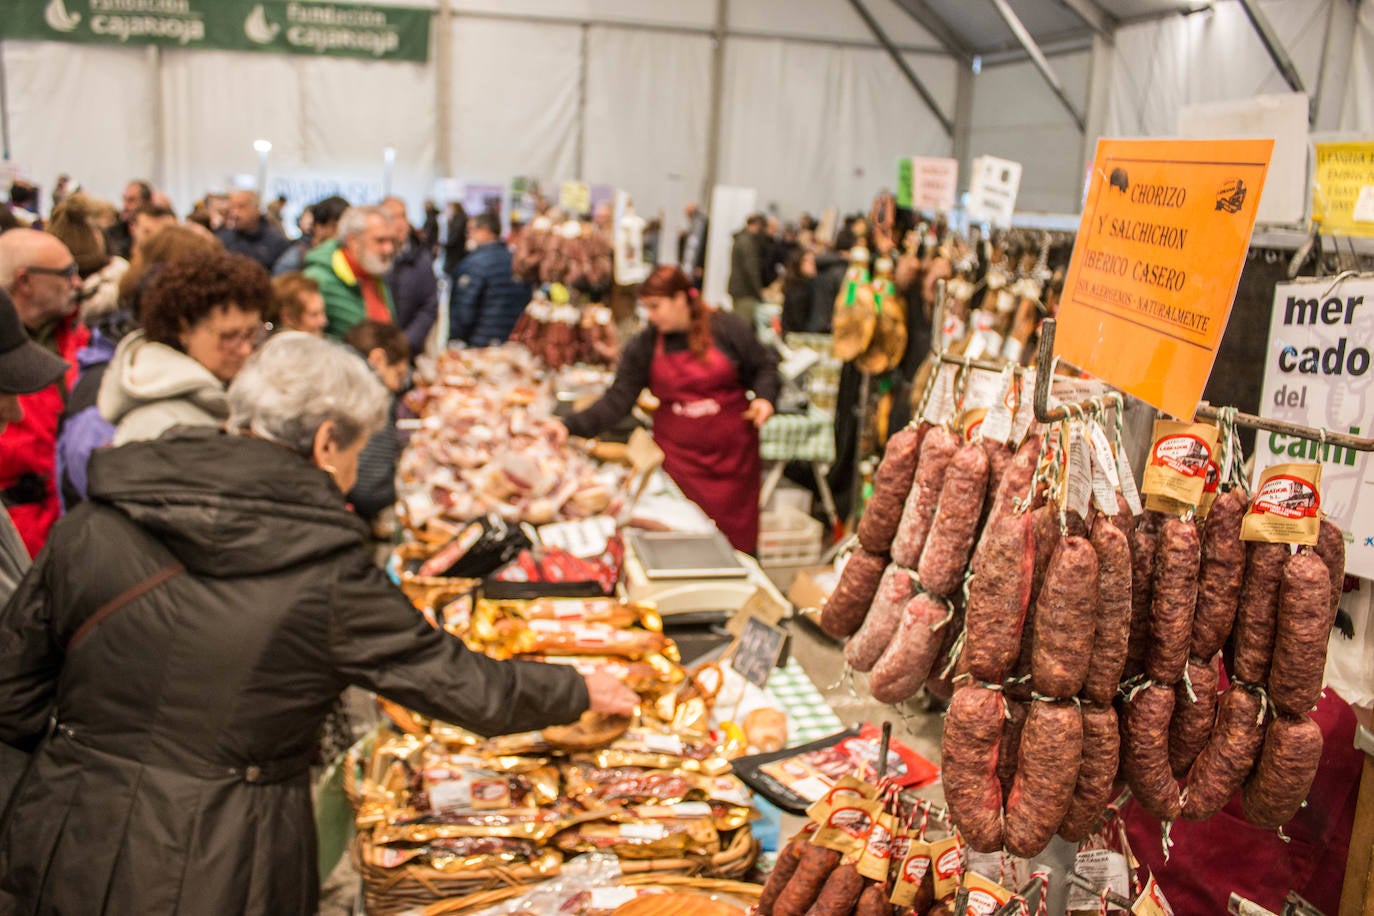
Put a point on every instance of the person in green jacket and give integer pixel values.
(350, 270)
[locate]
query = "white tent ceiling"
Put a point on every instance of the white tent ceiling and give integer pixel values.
(813, 110)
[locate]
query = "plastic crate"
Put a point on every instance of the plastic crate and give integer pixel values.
(788, 537)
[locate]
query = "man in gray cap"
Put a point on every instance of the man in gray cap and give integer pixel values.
(25, 367)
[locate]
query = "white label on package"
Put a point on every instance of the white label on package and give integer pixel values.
(812, 788)
(690, 809)
(610, 898)
(983, 389)
(1102, 868)
(648, 832)
(455, 795)
(997, 424)
(662, 744)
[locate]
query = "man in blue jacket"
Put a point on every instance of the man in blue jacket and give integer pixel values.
(414, 288)
(487, 299)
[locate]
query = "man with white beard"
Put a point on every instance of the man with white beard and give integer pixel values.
(351, 268)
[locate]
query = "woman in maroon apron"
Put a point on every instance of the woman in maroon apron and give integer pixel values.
(702, 365)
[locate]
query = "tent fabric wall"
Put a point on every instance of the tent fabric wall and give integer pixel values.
(1016, 116)
(81, 113)
(648, 109)
(1357, 114)
(346, 133)
(812, 126)
(515, 99)
(1161, 66)
(215, 104)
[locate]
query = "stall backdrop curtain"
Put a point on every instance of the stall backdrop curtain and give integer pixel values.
(83, 111)
(515, 99)
(1159, 67)
(813, 125)
(648, 107)
(1032, 128)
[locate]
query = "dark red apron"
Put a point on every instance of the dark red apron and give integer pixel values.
(709, 449)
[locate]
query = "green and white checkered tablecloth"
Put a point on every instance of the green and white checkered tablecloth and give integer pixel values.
(809, 716)
(798, 437)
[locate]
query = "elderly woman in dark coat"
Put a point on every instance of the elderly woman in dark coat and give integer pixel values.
(186, 632)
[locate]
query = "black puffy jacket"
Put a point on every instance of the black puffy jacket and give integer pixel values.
(175, 780)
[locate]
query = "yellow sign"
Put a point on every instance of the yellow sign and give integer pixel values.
(575, 198)
(1343, 188)
(1159, 254)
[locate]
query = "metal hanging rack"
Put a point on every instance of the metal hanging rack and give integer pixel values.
(1047, 414)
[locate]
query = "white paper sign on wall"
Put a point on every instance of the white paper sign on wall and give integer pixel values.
(934, 183)
(992, 190)
(1318, 373)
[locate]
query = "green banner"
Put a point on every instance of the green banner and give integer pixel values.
(904, 195)
(273, 26)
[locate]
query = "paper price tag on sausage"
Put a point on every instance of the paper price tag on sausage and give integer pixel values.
(1103, 868)
(1078, 473)
(1104, 470)
(997, 424)
(940, 407)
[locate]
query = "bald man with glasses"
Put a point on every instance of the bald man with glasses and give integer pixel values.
(40, 276)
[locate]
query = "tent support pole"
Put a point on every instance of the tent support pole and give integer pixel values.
(443, 90)
(1038, 58)
(1270, 39)
(708, 180)
(903, 66)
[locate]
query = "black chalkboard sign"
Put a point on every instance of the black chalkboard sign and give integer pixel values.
(758, 651)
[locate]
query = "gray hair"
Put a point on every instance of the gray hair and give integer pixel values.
(295, 382)
(354, 220)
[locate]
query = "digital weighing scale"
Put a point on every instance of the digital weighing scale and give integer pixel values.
(696, 578)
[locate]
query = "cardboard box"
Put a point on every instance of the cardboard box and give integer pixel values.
(812, 586)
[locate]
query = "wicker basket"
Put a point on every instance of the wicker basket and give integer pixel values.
(390, 891)
(421, 589)
(476, 902)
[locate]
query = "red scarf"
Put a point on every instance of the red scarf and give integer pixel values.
(374, 300)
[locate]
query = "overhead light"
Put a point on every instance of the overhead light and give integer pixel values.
(262, 146)
(977, 63)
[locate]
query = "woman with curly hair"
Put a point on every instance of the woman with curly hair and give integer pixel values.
(201, 318)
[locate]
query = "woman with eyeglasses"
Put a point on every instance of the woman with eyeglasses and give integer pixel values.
(201, 318)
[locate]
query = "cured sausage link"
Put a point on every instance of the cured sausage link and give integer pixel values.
(972, 737)
(1230, 754)
(1145, 751)
(1046, 776)
(1305, 616)
(1178, 556)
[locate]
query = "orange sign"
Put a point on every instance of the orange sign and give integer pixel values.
(1155, 267)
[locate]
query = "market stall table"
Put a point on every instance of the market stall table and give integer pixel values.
(808, 437)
